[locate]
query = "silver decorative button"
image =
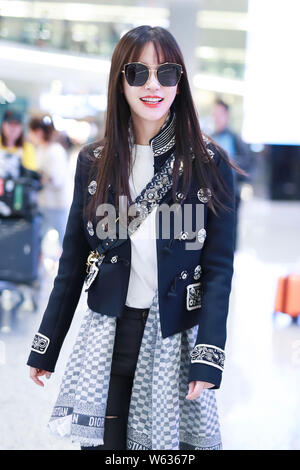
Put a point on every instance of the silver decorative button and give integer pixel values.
(90, 228)
(204, 194)
(201, 235)
(197, 272)
(183, 235)
(179, 196)
(114, 259)
(211, 153)
(183, 275)
(97, 151)
(92, 187)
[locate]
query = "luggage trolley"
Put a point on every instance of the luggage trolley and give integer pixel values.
(20, 245)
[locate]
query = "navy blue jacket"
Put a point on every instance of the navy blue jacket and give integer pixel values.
(193, 285)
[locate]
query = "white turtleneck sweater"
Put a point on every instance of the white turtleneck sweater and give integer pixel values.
(143, 274)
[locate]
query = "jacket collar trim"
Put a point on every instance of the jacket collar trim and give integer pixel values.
(164, 140)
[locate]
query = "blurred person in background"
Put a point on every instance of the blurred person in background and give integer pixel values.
(53, 165)
(15, 151)
(234, 146)
(131, 382)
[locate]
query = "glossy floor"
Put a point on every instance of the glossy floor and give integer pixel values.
(259, 402)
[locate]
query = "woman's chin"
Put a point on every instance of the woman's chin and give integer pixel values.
(150, 114)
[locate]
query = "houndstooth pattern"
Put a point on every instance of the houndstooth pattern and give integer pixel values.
(159, 415)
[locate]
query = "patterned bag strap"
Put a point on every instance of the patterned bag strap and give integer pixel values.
(144, 203)
(151, 196)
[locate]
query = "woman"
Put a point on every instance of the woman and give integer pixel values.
(52, 161)
(153, 338)
(15, 152)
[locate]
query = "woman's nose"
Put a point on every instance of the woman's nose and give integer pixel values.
(152, 80)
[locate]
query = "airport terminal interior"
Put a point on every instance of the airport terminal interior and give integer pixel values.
(54, 65)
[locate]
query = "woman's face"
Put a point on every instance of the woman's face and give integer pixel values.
(35, 137)
(12, 130)
(152, 87)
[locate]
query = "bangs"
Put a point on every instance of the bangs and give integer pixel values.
(163, 53)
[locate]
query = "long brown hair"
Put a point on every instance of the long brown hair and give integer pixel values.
(113, 166)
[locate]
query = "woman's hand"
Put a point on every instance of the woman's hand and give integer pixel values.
(195, 389)
(35, 373)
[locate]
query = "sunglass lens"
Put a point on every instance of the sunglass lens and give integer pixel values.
(169, 74)
(136, 74)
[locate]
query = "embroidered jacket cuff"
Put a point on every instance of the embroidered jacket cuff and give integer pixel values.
(207, 364)
(40, 343)
(41, 355)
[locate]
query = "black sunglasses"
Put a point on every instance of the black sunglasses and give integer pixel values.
(137, 73)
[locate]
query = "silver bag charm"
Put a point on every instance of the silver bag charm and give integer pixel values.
(93, 263)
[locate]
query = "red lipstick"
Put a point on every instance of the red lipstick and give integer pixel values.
(151, 101)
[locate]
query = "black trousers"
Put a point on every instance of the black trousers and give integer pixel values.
(129, 334)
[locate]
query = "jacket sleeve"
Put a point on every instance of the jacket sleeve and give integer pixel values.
(67, 286)
(207, 356)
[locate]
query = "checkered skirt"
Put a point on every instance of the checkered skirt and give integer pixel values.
(160, 417)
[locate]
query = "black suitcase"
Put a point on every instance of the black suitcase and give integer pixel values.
(20, 247)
